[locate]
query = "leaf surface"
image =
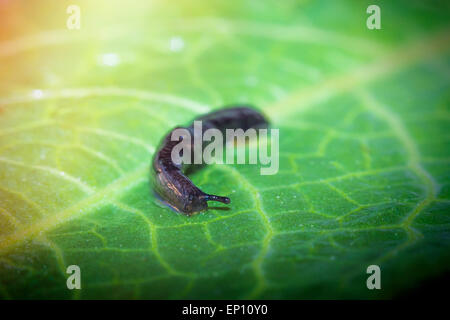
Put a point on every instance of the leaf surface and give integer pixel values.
(364, 149)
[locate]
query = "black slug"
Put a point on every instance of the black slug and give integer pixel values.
(169, 180)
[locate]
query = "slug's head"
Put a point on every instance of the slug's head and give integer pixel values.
(196, 203)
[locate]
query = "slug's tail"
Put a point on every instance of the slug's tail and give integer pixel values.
(211, 197)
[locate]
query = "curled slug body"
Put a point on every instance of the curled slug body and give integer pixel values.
(169, 179)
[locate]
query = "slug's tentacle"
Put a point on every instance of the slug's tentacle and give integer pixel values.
(212, 197)
(169, 180)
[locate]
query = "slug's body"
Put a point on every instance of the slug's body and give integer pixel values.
(169, 180)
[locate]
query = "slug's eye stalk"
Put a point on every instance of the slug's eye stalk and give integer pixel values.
(197, 203)
(211, 197)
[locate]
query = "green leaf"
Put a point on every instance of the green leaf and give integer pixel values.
(364, 148)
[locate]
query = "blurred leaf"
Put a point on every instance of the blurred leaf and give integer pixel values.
(364, 149)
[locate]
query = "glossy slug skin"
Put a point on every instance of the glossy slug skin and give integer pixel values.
(169, 181)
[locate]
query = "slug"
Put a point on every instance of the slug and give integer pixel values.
(170, 182)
